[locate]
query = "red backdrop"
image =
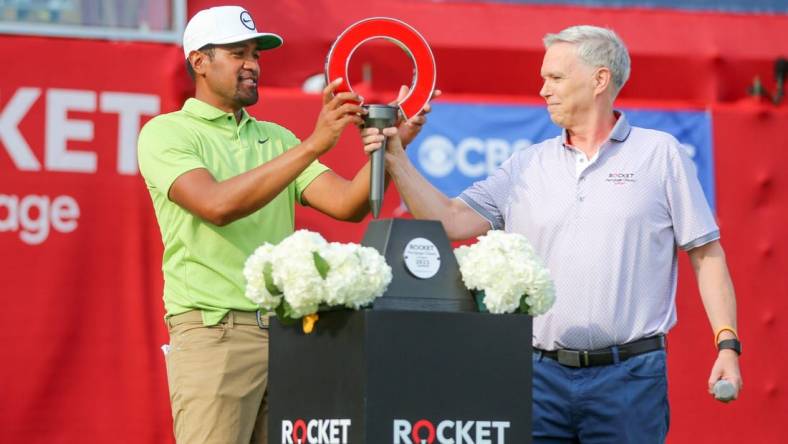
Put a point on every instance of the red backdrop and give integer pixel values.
(81, 298)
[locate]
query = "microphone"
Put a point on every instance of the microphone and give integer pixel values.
(378, 116)
(724, 390)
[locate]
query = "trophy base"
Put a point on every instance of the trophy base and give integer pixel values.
(439, 288)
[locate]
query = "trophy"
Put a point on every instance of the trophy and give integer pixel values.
(418, 251)
(384, 116)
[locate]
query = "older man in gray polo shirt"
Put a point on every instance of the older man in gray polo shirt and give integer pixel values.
(607, 206)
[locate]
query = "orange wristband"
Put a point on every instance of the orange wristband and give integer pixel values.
(722, 329)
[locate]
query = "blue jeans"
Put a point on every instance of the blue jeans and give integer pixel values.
(625, 402)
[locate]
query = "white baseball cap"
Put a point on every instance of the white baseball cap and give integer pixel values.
(225, 24)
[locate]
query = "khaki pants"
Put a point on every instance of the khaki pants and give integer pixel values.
(218, 377)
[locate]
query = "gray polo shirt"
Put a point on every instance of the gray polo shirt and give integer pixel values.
(608, 231)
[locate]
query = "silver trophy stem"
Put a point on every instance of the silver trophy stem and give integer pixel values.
(378, 116)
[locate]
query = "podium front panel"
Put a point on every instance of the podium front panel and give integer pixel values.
(402, 377)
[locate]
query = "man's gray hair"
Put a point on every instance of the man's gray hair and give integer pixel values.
(597, 47)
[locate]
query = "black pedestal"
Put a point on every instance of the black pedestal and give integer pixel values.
(443, 291)
(402, 377)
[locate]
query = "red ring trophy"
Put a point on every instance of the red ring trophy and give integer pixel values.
(422, 366)
(384, 116)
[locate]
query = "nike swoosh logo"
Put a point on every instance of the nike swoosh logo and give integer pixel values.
(262, 141)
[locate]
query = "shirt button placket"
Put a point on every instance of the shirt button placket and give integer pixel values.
(236, 132)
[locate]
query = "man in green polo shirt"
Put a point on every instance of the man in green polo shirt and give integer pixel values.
(223, 183)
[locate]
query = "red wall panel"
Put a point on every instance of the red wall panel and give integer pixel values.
(81, 309)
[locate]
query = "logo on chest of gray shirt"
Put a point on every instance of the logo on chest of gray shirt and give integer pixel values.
(620, 178)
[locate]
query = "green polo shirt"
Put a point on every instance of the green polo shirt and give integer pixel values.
(203, 263)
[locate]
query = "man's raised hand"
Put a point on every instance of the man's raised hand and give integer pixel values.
(339, 110)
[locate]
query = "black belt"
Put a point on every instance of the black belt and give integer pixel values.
(605, 356)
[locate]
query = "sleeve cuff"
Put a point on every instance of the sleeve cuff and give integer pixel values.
(481, 212)
(305, 182)
(169, 181)
(703, 240)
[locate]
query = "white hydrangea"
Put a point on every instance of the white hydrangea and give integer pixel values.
(540, 293)
(357, 275)
(344, 265)
(256, 289)
(294, 272)
(507, 268)
(375, 276)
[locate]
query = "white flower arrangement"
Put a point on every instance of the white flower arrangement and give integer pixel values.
(304, 272)
(508, 270)
(295, 274)
(356, 275)
(260, 287)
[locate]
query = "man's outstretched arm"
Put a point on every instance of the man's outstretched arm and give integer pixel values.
(719, 300)
(221, 203)
(424, 200)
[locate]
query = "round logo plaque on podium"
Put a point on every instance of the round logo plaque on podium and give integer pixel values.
(422, 258)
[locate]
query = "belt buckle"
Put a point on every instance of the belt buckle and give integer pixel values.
(571, 358)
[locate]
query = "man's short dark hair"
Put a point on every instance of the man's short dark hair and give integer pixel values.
(207, 49)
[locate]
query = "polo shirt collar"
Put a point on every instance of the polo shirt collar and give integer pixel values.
(621, 129)
(208, 112)
(619, 133)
